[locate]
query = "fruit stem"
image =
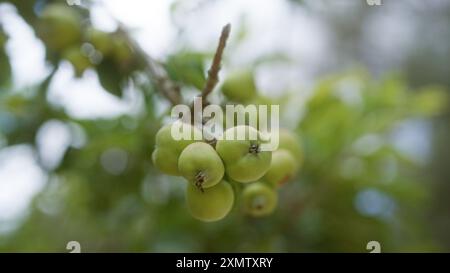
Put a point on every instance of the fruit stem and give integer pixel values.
(166, 86)
(212, 142)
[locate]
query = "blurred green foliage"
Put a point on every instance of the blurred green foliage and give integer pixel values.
(355, 185)
(187, 68)
(5, 67)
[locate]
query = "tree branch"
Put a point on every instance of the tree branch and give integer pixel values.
(213, 72)
(166, 87)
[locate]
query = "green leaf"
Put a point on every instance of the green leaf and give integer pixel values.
(187, 68)
(110, 78)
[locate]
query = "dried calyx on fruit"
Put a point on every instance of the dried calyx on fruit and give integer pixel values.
(200, 164)
(244, 161)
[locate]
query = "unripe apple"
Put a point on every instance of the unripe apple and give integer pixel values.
(230, 121)
(168, 149)
(122, 51)
(240, 86)
(102, 41)
(289, 141)
(259, 199)
(79, 61)
(283, 167)
(244, 161)
(251, 113)
(59, 26)
(211, 204)
(200, 164)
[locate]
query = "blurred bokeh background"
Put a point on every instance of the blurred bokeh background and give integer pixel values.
(364, 87)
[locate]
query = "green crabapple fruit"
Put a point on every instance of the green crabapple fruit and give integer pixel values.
(122, 51)
(79, 61)
(101, 40)
(230, 121)
(200, 164)
(283, 167)
(248, 117)
(259, 199)
(244, 161)
(211, 204)
(289, 141)
(59, 26)
(167, 149)
(240, 86)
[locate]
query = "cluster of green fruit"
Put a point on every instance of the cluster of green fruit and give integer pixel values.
(63, 30)
(215, 173)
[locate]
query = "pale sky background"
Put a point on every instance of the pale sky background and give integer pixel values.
(300, 35)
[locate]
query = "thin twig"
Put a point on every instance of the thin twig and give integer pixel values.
(213, 72)
(168, 89)
(165, 86)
